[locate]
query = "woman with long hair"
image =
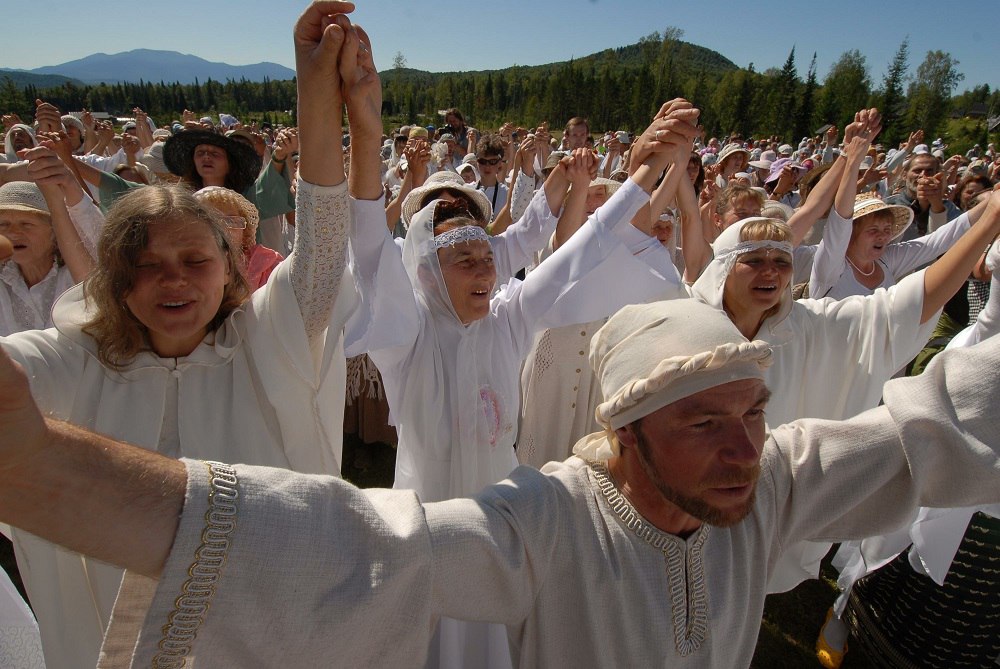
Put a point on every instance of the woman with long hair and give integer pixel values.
(161, 346)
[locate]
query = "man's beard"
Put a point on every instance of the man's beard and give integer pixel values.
(695, 506)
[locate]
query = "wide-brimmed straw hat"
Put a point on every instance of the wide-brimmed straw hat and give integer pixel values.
(244, 163)
(902, 216)
(23, 196)
(442, 181)
(730, 149)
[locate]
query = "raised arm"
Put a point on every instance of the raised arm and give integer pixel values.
(948, 273)
(55, 181)
(829, 262)
(317, 261)
(574, 211)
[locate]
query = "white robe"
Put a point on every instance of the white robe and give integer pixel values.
(254, 392)
(559, 393)
(453, 390)
(832, 275)
(551, 554)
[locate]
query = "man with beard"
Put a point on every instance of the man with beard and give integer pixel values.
(652, 546)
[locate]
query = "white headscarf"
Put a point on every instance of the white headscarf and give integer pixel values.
(727, 248)
(455, 396)
(650, 355)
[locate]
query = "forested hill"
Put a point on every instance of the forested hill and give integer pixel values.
(612, 87)
(615, 88)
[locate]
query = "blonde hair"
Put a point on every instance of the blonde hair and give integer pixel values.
(766, 229)
(729, 195)
(762, 230)
(120, 336)
(217, 196)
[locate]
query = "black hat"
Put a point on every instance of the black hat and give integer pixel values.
(244, 163)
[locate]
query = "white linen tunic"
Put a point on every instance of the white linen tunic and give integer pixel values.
(579, 579)
(254, 391)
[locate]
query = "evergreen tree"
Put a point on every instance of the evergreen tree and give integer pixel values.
(807, 104)
(891, 100)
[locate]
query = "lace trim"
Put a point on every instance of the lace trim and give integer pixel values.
(199, 589)
(465, 233)
(319, 256)
(690, 613)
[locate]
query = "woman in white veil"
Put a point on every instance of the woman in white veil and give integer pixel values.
(451, 371)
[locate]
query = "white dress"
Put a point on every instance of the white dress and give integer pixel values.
(578, 578)
(832, 276)
(259, 389)
(453, 390)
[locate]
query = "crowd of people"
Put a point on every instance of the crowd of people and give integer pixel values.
(594, 352)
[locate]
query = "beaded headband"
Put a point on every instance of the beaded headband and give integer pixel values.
(460, 235)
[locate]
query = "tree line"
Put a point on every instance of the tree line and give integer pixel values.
(615, 89)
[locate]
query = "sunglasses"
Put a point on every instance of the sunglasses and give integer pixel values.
(236, 222)
(489, 161)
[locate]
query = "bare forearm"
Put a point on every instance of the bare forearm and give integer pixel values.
(71, 247)
(819, 202)
(948, 273)
(99, 497)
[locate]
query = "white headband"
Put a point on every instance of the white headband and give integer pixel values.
(459, 235)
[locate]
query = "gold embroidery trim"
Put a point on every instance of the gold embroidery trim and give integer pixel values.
(203, 574)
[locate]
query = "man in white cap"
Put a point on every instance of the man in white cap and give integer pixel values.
(651, 548)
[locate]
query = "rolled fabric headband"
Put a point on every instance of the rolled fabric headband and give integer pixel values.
(465, 233)
(682, 376)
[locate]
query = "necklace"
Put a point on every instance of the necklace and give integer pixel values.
(858, 269)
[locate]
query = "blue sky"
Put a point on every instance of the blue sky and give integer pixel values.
(451, 35)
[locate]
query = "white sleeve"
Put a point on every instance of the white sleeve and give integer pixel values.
(590, 276)
(524, 190)
(935, 443)
(89, 222)
(515, 248)
(386, 316)
(903, 257)
(830, 260)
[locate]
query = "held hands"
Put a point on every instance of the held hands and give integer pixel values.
(48, 117)
(581, 167)
(930, 190)
(318, 41)
(867, 125)
(676, 123)
(285, 144)
(58, 142)
(10, 120)
(362, 88)
(46, 168)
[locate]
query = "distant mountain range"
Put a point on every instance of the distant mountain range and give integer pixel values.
(147, 65)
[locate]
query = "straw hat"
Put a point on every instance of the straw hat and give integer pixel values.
(442, 181)
(730, 149)
(23, 196)
(902, 216)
